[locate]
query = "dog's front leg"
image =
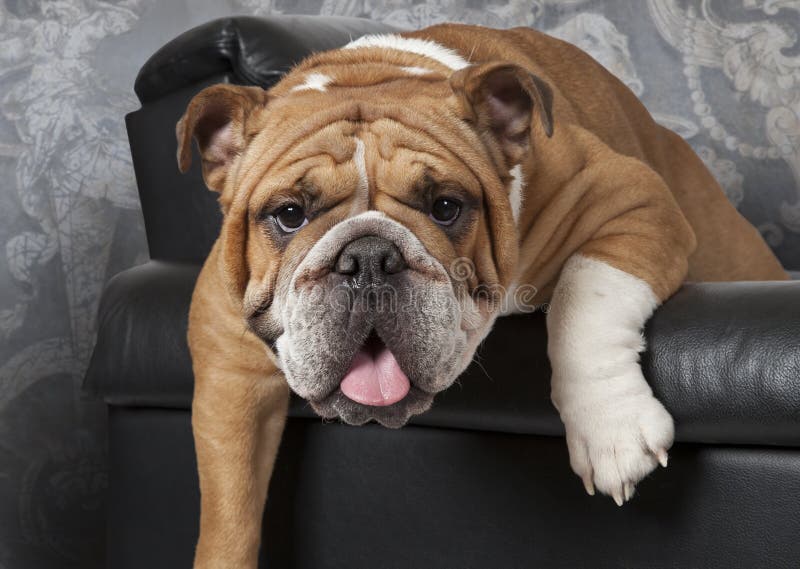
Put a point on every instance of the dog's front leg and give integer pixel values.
(635, 257)
(237, 420)
(238, 413)
(617, 431)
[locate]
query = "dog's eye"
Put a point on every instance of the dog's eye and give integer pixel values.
(290, 218)
(445, 211)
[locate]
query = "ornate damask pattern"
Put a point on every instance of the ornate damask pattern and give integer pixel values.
(723, 74)
(754, 58)
(67, 175)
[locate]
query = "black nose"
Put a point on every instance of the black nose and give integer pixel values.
(368, 260)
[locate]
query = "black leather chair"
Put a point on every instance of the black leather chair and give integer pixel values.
(483, 479)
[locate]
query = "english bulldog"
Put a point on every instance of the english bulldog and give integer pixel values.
(352, 191)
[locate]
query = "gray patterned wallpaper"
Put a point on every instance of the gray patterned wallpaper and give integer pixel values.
(723, 74)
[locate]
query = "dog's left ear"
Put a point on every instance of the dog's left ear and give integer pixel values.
(501, 99)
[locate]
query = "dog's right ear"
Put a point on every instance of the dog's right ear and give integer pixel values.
(216, 118)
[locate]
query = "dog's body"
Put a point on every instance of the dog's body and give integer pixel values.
(344, 177)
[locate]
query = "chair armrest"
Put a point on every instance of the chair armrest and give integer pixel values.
(724, 358)
(141, 357)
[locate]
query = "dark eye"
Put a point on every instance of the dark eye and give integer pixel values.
(290, 218)
(445, 211)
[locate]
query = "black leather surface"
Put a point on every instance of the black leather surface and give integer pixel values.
(181, 215)
(141, 356)
(724, 358)
(254, 51)
(369, 497)
(729, 355)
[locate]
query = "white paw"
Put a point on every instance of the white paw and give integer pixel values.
(615, 441)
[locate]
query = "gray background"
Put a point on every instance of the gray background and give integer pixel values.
(725, 75)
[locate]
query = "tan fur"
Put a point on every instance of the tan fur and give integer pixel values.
(603, 128)
(607, 182)
(238, 412)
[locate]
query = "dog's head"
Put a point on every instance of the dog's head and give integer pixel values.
(368, 234)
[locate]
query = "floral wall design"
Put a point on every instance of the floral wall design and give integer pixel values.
(724, 75)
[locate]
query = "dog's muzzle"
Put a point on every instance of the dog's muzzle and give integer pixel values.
(374, 377)
(372, 328)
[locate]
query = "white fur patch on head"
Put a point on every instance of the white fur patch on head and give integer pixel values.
(515, 191)
(444, 55)
(361, 167)
(314, 81)
(414, 70)
(361, 201)
(617, 432)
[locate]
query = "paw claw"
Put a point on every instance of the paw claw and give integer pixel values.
(612, 448)
(628, 491)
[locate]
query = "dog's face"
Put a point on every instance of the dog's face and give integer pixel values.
(368, 232)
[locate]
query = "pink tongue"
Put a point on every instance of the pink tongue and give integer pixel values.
(375, 379)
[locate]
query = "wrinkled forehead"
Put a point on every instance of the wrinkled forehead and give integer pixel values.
(360, 158)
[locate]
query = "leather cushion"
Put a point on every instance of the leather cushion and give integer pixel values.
(256, 50)
(723, 357)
